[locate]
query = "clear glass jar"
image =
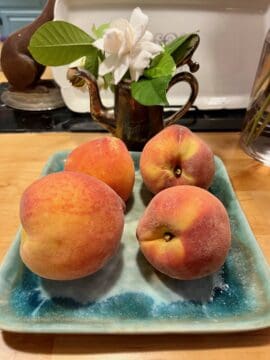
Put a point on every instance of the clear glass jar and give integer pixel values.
(255, 138)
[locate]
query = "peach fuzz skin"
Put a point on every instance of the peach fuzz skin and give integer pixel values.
(108, 160)
(176, 156)
(185, 232)
(72, 225)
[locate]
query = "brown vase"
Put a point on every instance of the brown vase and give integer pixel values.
(135, 123)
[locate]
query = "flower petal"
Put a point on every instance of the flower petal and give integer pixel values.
(120, 24)
(148, 36)
(135, 73)
(139, 22)
(108, 65)
(139, 62)
(121, 69)
(128, 41)
(99, 43)
(113, 39)
(149, 46)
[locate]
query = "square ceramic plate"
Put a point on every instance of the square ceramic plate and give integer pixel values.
(128, 296)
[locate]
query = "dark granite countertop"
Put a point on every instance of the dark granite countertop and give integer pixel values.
(63, 119)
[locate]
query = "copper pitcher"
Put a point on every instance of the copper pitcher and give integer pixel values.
(131, 121)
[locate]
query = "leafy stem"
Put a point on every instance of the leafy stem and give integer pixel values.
(255, 131)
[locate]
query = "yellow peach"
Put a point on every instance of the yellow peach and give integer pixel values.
(107, 159)
(185, 232)
(176, 156)
(72, 225)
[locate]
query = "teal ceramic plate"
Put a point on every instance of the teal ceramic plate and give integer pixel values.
(128, 296)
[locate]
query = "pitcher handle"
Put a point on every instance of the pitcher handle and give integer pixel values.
(192, 81)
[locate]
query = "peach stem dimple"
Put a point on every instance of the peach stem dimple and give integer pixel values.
(168, 236)
(177, 171)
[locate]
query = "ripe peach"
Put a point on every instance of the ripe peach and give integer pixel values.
(72, 225)
(185, 232)
(176, 156)
(108, 160)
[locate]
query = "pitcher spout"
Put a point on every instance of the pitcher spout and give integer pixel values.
(99, 112)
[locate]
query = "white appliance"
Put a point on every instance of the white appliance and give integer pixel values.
(232, 33)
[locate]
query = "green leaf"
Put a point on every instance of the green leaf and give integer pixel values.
(175, 44)
(182, 47)
(151, 91)
(59, 43)
(161, 65)
(91, 62)
(99, 32)
(101, 55)
(108, 80)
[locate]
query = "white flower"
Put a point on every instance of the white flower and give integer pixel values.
(127, 45)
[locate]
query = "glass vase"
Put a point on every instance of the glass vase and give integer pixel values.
(255, 137)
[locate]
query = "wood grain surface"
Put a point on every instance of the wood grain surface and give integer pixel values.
(22, 157)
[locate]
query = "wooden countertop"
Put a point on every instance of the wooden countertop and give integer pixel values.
(22, 157)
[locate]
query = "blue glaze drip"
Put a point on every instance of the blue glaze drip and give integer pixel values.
(27, 297)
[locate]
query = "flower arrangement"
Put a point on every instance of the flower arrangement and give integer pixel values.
(116, 51)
